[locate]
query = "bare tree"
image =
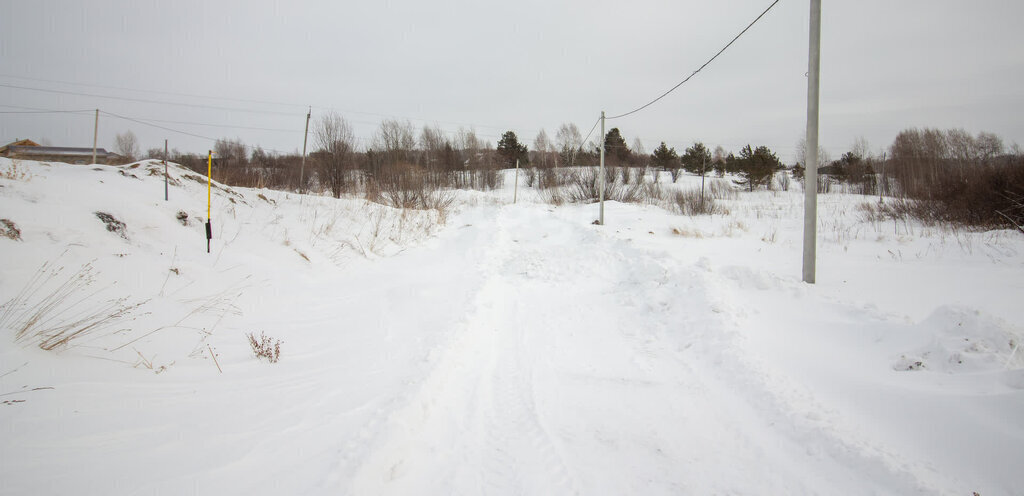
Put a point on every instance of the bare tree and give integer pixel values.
(541, 144)
(432, 142)
(640, 156)
(231, 152)
(801, 153)
(396, 140)
(127, 145)
(469, 146)
(335, 144)
(861, 148)
(569, 140)
(989, 145)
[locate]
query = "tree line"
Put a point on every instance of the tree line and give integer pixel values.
(949, 175)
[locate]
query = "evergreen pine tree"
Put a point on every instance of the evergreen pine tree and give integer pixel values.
(615, 147)
(697, 158)
(756, 166)
(511, 150)
(664, 157)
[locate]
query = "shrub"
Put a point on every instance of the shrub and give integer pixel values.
(689, 202)
(9, 229)
(113, 225)
(408, 186)
(951, 176)
(721, 190)
(265, 347)
(585, 187)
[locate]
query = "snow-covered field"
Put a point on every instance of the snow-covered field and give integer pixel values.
(510, 349)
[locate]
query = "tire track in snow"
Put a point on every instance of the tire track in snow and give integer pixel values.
(473, 427)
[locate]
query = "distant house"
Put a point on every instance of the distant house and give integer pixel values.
(30, 150)
(24, 142)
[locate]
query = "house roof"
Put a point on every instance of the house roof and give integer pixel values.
(55, 150)
(24, 142)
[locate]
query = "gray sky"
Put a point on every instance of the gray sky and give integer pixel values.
(524, 66)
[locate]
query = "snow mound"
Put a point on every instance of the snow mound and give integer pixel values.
(964, 340)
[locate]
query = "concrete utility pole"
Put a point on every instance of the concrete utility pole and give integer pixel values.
(302, 169)
(95, 131)
(601, 217)
(811, 150)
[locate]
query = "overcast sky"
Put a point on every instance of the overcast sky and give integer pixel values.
(514, 65)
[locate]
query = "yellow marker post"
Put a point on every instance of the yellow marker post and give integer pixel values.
(209, 186)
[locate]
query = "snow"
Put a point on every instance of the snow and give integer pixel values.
(511, 349)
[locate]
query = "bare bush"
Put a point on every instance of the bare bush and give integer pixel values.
(1014, 213)
(950, 176)
(690, 202)
(554, 178)
(721, 190)
(265, 347)
(553, 196)
(584, 187)
(408, 186)
(530, 176)
(9, 230)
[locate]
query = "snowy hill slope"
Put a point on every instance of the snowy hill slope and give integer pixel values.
(516, 349)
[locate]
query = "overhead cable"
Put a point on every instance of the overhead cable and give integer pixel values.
(663, 95)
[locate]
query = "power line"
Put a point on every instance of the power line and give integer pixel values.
(598, 121)
(34, 110)
(122, 88)
(182, 132)
(241, 100)
(144, 100)
(226, 126)
(214, 107)
(712, 59)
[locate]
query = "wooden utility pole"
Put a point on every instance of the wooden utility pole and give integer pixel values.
(305, 137)
(165, 170)
(95, 131)
(703, 172)
(209, 187)
(600, 219)
(515, 189)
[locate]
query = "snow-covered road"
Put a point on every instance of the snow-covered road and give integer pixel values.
(586, 365)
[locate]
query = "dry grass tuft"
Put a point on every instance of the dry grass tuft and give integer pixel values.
(265, 347)
(53, 314)
(9, 230)
(15, 172)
